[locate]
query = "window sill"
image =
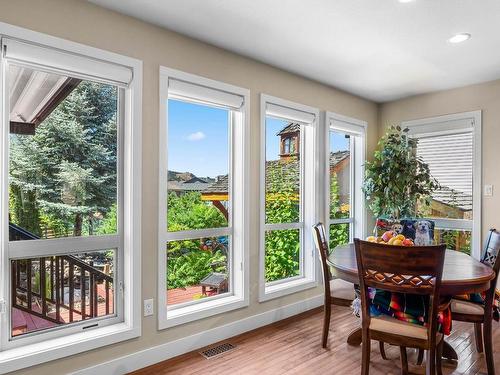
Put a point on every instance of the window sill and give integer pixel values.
(286, 288)
(34, 354)
(182, 315)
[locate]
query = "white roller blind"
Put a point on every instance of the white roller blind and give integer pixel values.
(286, 113)
(347, 127)
(452, 126)
(450, 159)
(66, 63)
(203, 94)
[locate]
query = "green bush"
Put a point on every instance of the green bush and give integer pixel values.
(189, 261)
(339, 233)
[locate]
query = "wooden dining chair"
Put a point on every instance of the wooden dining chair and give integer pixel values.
(337, 291)
(470, 312)
(411, 270)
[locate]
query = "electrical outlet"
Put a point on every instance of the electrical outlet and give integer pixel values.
(149, 307)
(488, 190)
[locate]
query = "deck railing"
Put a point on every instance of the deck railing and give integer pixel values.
(46, 286)
(56, 280)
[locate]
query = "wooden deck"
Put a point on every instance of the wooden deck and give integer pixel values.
(181, 295)
(24, 322)
(187, 294)
(293, 346)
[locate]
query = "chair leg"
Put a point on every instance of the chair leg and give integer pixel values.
(365, 354)
(382, 350)
(439, 357)
(404, 360)
(430, 363)
(488, 346)
(420, 357)
(326, 323)
(478, 334)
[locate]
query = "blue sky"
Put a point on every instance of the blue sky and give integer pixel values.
(338, 142)
(198, 139)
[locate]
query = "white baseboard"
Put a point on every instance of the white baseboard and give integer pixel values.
(150, 356)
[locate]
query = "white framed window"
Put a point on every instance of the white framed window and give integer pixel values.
(70, 207)
(203, 225)
(289, 195)
(451, 146)
(345, 145)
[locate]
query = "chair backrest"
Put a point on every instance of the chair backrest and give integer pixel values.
(491, 258)
(411, 270)
(323, 250)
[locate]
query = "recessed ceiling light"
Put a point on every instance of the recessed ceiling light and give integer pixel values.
(459, 38)
(406, 1)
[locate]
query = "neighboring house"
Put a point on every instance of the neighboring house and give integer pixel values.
(290, 141)
(193, 184)
(286, 170)
(451, 204)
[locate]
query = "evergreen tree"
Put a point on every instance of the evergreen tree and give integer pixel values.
(66, 171)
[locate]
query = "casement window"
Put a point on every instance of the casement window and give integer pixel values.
(202, 197)
(345, 145)
(288, 196)
(451, 146)
(70, 195)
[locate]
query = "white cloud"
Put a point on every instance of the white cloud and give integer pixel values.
(196, 136)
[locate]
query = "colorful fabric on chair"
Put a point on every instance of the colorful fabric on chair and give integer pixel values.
(479, 298)
(408, 308)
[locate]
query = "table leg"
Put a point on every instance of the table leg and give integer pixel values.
(355, 337)
(449, 352)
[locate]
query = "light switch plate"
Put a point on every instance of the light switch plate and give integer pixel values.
(149, 307)
(488, 190)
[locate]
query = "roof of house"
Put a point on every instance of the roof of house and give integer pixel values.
(187, 186)
(453, 198)
(292, 127)
(277, 172)
(219, 187)
(45, 92)
(195, 180)
(337, 157)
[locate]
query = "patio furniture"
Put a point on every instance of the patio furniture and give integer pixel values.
(217, 282)
(389, 269)
(481, 316)
(462, 275)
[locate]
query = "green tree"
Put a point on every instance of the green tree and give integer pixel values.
(189, 261)
(339, 233)
(397, 182)
(282, 255)
(188, 211)
(65, 173)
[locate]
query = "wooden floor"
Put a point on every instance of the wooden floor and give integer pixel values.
(293, 346)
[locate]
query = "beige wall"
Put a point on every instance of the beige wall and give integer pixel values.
(86, 23)
(485, 97)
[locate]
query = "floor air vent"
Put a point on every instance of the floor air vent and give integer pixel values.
(217, 350)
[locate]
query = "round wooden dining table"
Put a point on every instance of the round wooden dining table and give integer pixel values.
(462, 274)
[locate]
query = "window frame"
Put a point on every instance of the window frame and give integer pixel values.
(309, 203)
(440, 125)
(31, 350)
(238, 225)
(357, 212)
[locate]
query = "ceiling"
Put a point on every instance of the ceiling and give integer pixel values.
(378, 49)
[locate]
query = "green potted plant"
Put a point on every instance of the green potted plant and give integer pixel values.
(398, 184)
